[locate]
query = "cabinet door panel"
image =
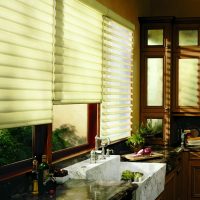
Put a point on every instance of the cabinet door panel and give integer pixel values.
(195, 180)
(188, 37)
(154, 81)
(155, 37)
(188, 82)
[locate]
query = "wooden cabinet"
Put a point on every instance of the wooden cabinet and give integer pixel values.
(174, 183)
(194, 176)
(170, 71)
(186, 65)
(155, 72)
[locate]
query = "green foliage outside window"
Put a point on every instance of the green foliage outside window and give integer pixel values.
(65, 137)
(15, 144)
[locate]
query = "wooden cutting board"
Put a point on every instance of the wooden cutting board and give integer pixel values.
(132, 156)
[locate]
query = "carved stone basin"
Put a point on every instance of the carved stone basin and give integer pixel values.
(111, 169)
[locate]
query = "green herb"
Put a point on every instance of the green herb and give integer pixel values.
(129, 175)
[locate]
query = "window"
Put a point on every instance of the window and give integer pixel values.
(26, 36)
(116, 107)
(52, 81)
(70, 126)
(78, 77)
(15, 144)
(78, 53)
(78, 66)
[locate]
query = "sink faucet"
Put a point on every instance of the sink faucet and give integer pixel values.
(104, 142)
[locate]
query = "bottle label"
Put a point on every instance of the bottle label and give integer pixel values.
(45, 174)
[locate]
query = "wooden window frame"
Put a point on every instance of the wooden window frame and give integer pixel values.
(22, 167)
(93, 130)
(42, 143)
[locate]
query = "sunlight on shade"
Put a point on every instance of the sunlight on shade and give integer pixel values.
(188, 82)
(155, 81)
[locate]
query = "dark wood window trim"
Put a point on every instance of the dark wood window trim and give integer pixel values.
(39, 136)
(93, 130)
(42, 143)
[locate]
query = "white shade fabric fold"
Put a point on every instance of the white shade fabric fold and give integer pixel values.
(26, 46)
(116, 107)
(78, 53)
(63, 52)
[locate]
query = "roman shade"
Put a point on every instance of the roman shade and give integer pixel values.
(78, 53)
(116, 104)
(26, 46)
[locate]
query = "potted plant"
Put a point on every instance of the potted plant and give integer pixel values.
(135, 141)
(150, 129)
(145, 134)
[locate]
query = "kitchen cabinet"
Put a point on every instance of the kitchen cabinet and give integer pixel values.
(155, 73)
(194, 176)
(183, 182)
(170, 71)
(186, 65)
(174, 183)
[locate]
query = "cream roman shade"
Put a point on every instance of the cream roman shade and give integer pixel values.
(116, 105)
(26, 38)
(78, 53)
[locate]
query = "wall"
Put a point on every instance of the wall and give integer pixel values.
(177, 8)
(130, 10)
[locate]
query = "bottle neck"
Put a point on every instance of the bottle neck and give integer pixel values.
(44, 159)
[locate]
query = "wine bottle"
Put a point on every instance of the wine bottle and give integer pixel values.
(35, 176)
(43, 170)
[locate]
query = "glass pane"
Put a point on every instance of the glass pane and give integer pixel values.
(69, 126)
(188, 37)
(155, 82)
(155, 37)
(156, 125)
(15, 144)
(188, 82)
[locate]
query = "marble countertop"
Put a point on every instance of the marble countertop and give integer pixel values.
(97, 190)
(170, 156)
(82, 189)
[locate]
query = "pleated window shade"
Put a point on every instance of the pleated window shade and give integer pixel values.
(116, 107)
(78, 53)
(26, 38)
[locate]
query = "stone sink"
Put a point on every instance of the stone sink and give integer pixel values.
(111, 169)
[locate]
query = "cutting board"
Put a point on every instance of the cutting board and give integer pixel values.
(132, 156)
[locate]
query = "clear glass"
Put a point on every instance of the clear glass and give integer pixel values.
(155, 82)
(69, 126)
(188, 82)
(188, 37)
(157, 126)
(15, 144)
(155, 37)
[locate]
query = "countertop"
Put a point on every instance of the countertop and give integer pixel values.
(82, 189)
(170, 156)
(93, 190)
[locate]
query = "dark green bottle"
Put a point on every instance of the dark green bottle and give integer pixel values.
(35, 176)
(43, 170)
